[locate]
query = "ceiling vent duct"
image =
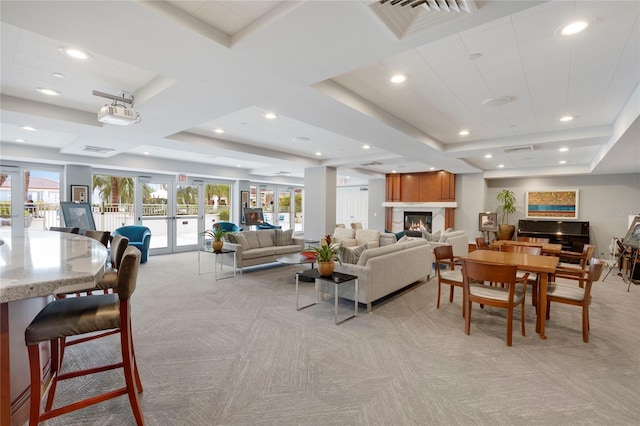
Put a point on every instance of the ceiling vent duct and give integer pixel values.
(371, 163)
(97, 149)
(528, 148)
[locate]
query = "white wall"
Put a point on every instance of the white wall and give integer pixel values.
(77, 175)
(377, 188)
(470, 195)
(319, 201)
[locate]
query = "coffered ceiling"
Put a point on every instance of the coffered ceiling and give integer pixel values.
(498, 69)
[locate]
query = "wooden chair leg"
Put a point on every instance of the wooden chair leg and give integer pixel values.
(130, 373)
(585, 324)
(509, 325)
(467, 319)
(522, 319)
(56, 364)
(451, 293)
(36, 384)
(438, 302)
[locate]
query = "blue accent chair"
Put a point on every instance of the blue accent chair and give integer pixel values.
(228, 226)
(139, 236)
(266, 225)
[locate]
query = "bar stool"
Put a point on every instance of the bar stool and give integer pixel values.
(77, 316)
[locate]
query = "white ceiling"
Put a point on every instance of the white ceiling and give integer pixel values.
(324, 69)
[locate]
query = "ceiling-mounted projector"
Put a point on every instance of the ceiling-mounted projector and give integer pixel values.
(119, 115)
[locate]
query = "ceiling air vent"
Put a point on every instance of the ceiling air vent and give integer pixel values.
(371, 163)
(528, 148)
(97, 149)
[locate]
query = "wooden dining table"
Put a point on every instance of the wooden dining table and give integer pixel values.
(547, 248)
(542, 265)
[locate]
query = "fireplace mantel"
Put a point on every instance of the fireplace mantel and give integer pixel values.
(407, 205)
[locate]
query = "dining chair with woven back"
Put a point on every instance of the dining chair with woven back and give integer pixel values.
(526, 278)
(476, 276)
(446, 264)
(571, 294)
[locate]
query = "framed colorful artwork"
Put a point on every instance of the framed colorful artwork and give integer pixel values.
(560, 204)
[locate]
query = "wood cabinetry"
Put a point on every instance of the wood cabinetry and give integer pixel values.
(421, 187)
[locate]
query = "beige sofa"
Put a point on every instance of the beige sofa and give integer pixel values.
(458, 240)
(262, 246)
(384, 270)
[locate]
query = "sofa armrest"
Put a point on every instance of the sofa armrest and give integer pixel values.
(298, 241)
(349, 242)
(235, 247)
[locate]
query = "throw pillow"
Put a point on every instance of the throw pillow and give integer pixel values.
(237, 238)
(435, 237)
(284, 238)
(352, 255)
(403, 239)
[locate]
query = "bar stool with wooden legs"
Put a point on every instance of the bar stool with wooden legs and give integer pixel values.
(75, 316)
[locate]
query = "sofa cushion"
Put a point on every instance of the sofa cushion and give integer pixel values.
(352, 255)
(252, 239)
(340, 234)
(413, 243)
(378, 251)
(367, 236)
(259, 252)
(266, 238)
(238, 238)
(431, 237)
(293, 248)
(283, 238)
(403, 239)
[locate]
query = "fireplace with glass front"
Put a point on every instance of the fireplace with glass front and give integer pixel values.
(417, 222)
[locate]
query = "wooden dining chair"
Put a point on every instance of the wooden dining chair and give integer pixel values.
(481, 244)
(476, 274)
(534, 240)
(446, 264)
(526, 278)
(571, 294)
(77, 316)
(581, 257)
(63, 229)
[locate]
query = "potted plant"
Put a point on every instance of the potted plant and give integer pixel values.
(507, 200)
(217, 233)
(326, 254)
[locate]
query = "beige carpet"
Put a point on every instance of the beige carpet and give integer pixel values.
(236, 352)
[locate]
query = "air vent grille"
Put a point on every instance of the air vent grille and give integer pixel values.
(528, 148)
(371, 163)
(97, 149)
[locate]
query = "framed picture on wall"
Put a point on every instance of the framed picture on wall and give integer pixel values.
(488, 222)
(561, 204)
(79, 193)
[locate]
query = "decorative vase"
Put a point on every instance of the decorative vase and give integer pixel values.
(505, 232)
(217, 245)
(326, 268)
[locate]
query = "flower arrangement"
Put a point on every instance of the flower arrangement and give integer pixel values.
(217, 233)
(328, 250)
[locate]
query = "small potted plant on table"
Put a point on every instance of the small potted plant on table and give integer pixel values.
(217, 233)
(326, 254)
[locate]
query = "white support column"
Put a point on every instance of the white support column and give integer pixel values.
(319, 201)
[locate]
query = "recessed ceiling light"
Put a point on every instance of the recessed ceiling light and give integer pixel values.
(318, 154)
(20, 140)
(300, 139)
(219, 130)
(398, 78)
(365, 147)
(29, 128)
(432, 168)
(564, 149)
(75, 53)
(464, 132)
(488, 156)
(566, 118)
(270, 116)
(146, 153)
(497, 101)
(500, 166)
(239, 165)
(58, 75)
(562, 162)
(574, 28)
(48, 92)
(393, 171)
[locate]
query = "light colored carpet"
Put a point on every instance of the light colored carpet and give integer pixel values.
(236, 352)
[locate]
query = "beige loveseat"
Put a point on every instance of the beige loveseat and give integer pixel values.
(384, 270)
(357, 237)
(458, 240)
(262, 246)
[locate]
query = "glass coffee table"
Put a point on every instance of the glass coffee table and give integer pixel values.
(217, 261)
(297, 259)
(334, 280)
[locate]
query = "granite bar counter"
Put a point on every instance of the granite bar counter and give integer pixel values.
(35, 265)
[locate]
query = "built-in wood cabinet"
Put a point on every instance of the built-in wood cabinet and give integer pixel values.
(421, 187)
